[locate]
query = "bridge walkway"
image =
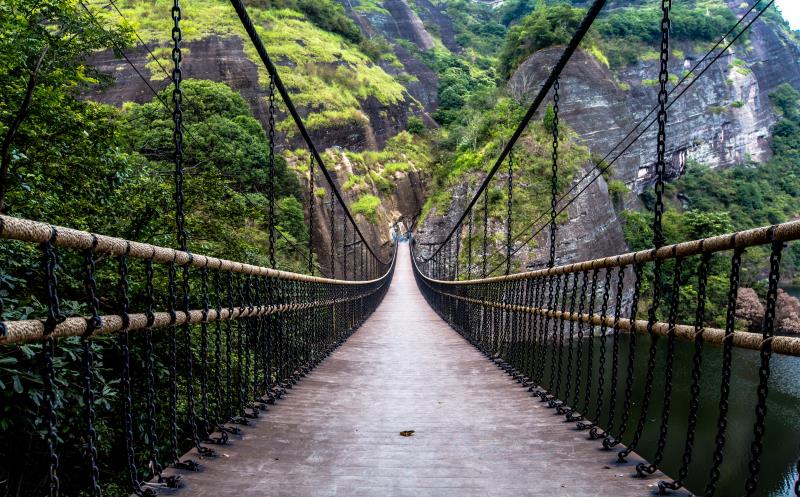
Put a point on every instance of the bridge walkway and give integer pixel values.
(477, 432)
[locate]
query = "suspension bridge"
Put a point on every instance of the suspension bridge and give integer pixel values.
(409, 369)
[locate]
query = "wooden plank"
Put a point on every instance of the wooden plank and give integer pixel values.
(476, 431)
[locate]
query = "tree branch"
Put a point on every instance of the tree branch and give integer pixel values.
(11, 133)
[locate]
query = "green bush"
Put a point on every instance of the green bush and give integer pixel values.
(367, 206)
(415, 126)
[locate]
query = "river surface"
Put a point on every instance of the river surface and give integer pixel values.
(782, 440)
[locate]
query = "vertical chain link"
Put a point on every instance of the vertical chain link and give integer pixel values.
(663, 78)
(648, 469)
(311, 195)
(469, 246)
(767, 333)
(554, 178)
(509, 209)
(271, 172)
(725, 384)
(610, 441)
(612, 404)
(92, 323)
(150, 392)
(697, 362)
(333, 237)
(177, 117)
(485, 231)
(49, 397)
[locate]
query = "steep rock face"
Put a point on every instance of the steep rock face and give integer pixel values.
(398, 21)
(223, 59)
(722, 120)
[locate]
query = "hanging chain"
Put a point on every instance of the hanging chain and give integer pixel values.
(509, 207)
(469, 245)
(177, 117)
(150, 395)
(485, 230)
(663, 77)
(768, 331)
(333, 237)
(725, 384)
(311, 216)
(601, 370)
(271, 172)
(344, 249)
(172, 366)
(92, 323)
(49, 399)
(204, 350)
(610, 441)
(648, 469)
(612, 405)
(554, 178)
(124, 342)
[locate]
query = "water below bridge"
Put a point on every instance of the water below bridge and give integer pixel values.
(476, 431)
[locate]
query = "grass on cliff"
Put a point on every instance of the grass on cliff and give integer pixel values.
(326, 73)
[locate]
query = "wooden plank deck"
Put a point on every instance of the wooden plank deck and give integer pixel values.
(476, 431)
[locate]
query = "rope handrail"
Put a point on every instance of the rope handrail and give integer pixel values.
(37, 232)
(784, 345)
(784, 232)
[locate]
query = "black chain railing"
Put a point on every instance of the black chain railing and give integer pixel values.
(275, 327)
(518, 320)
(229, 338)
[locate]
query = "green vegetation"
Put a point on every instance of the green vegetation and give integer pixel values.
(73, 162)
(621, 37)
(726, 200)
(331, 74)
(367, 206)
(544, 27)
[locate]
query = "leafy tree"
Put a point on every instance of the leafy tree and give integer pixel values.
(543, 28)
(43, 49)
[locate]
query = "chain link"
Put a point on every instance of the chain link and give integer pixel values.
(768, 331)
(469, 247)
(150, 393)
(651, 362)
(49, 398)
(697, 362)
(648, 469)
(271, 173)
(311, 196)
(485, 231)
(509, 209)
(610, 441)
(612, 404)
(333, 237)
(92, 323)
(177, 117)
(725, 384)
(587, 391)
(601, 370)
(663, 78)
(554, 178)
